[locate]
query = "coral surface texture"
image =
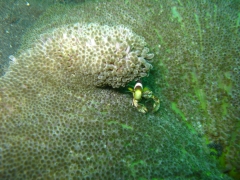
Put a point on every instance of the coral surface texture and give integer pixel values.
(66, 111)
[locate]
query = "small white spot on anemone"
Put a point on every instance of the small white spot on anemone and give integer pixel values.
(12, 58)
(117, 46)
(128, 49)
(90, 43)
(105, 39)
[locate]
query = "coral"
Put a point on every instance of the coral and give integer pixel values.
(56, 122)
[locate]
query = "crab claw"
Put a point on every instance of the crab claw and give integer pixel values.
(135, 102)
(156, 104)
(140, 107)
(147, 94)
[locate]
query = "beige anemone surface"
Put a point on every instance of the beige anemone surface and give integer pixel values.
(63, 117)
